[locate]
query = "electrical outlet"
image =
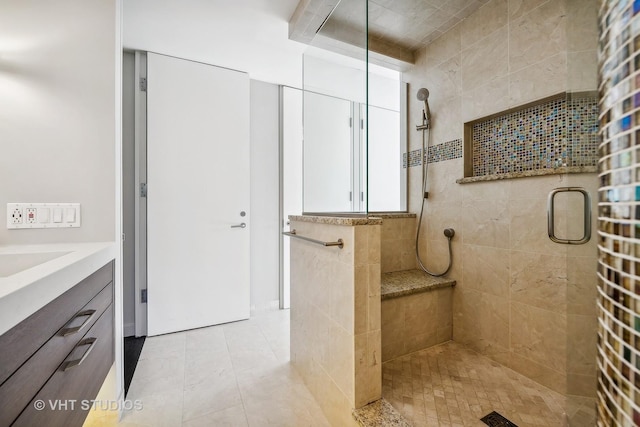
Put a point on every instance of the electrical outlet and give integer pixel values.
(31, 215)
(16, 216)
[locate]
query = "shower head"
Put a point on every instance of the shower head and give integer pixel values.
(423, 94)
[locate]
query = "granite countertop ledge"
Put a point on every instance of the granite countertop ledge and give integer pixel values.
(407, 282)
(392, 215)
(379, 414)
(337, 220)
(526, 174)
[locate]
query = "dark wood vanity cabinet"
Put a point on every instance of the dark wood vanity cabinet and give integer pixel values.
(53, 363)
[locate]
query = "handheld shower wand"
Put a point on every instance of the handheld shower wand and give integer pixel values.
(423, 95)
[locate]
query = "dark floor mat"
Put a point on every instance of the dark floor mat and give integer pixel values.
(494, 419)
(132, 350)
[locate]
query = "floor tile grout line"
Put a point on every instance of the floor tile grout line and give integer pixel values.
(235, 376)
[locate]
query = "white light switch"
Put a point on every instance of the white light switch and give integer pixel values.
(57, 214)
(70, 215)
(44, 215)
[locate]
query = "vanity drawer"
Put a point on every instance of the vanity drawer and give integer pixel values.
(24, 339)
(20, 388)
(78, 378)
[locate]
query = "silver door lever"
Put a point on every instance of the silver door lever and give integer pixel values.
(241, 225)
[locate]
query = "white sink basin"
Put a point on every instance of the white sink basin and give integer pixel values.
(11, 264)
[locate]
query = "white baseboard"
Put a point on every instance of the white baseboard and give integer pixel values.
(266, 306)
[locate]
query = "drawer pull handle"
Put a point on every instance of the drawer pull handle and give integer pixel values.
(76, 362)
(72, 330)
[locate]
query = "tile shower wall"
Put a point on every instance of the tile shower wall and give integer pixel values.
(520, 299)
(335, 316)
(559, 132)
(398, 245)
(619, 231)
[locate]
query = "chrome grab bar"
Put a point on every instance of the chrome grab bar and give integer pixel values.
(587, 216)
(292, 233)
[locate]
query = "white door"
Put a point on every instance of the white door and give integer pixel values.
(198, 195)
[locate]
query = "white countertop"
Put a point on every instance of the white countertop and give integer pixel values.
(25, 292)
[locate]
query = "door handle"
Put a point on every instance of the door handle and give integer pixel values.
(241, 225)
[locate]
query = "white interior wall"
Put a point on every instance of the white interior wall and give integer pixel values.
(265, 199)
(60, 122)
(57, 115)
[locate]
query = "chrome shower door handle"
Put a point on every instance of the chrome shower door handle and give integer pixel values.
(587, 216)
(241, 225)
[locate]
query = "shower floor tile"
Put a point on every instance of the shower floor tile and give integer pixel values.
(450, 385)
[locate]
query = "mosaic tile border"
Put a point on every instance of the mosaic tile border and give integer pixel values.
(618, 360)
(437, 153)
(555, 133)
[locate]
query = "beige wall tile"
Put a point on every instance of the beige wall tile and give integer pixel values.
(539, 280)
(547, 77)
(445, 47)
(486, 60)
(486, 269)
(529, 227)
(582, 385)
(582, 72)
(488, 98)
(486, 20)
(494, 190)
(540, 373)
(442, 180)
(441, 215)
(581, 342)
(393, 328)
(391, 259)
(445, 116)
(519, 8)
(582, 24)
(539, 335)
(486, 223)
(537, 36)
(582, 282)
(445, 81)
(361, 299)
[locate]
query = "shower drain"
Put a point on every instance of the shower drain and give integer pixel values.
(494, 419)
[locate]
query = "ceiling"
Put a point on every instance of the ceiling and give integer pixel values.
(266, 38)
(396, 28)
(245, 35)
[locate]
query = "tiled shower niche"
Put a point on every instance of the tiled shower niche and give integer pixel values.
(541, 138)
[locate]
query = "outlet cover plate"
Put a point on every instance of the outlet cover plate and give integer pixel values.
(68, 215)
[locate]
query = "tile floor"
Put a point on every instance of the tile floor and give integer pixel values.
(450, 385)
(239, 374)
(236, 374)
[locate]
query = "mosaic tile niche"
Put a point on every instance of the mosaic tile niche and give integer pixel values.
(558, 132)
(618, 394)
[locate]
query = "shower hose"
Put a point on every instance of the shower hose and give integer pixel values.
(448, 232)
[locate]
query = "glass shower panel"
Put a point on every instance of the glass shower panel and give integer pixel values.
(386, 189)
(327, 154)
(334, 90)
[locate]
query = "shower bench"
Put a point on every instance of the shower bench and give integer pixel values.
(416, 312)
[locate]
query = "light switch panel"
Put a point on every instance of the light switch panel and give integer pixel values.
(43, 215)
